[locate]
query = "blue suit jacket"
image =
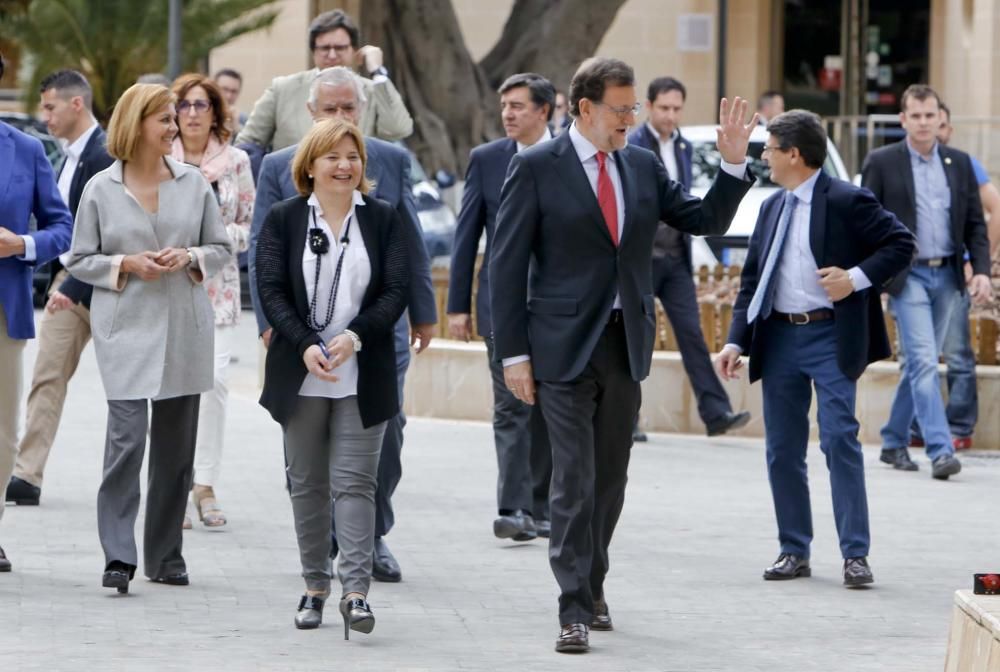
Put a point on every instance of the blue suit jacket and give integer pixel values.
(683, 152)
(480, 203)
(847, 228)
(389, 168)
(28, 187)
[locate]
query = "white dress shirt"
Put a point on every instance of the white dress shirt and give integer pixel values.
(355, 275)
(73, 152)
(667, 152)
(547, 135)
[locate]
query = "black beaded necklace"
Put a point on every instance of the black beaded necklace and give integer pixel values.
(320, 245)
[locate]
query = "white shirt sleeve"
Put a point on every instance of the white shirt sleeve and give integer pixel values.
(859, 279)
(29, 249)
(511, 361)
(737, 170)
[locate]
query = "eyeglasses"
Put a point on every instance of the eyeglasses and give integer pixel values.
(199, 105)
(770, 149)
(327, 48)
(622, 111)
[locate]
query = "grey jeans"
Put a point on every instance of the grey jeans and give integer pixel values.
(329, 452)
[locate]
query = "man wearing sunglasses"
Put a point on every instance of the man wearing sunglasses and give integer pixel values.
(280, 118)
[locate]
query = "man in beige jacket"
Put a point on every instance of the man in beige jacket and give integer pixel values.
(280, 118)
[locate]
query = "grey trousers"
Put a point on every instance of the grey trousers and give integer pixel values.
(172, 434)
(331, 455)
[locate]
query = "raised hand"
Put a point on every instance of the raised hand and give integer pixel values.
(733, 134)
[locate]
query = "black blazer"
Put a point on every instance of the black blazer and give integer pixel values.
(282, 292)
(480, 202)
(683, 155)
(554, 269)
(888, 174)
(93, 160)
(847, 228)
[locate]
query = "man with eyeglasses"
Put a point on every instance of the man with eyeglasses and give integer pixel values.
(280, 118)
(809, 314)
(572, 306)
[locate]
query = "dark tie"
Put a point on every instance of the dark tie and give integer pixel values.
(763, 298)
(606, 197)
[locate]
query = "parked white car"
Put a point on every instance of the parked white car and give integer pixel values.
(731, 248)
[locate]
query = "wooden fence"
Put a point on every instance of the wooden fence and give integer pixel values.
(717, 291)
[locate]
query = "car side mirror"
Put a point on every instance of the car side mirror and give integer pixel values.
(444, 179)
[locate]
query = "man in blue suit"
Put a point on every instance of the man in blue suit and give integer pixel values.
(673, 271)
(27, 187)
(809, 314)
(524, 457)
(337, 93)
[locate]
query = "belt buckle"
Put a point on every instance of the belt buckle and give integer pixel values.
(792, 318)
(935, 263)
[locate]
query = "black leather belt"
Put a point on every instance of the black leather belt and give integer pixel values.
(932, 263)
(803, 318)
(616, 316)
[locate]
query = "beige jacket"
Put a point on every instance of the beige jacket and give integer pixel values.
(153, 339)
(280, 117)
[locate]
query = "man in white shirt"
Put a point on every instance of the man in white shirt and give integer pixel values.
(64, 329)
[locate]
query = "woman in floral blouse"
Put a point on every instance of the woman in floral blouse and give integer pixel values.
(202, 141)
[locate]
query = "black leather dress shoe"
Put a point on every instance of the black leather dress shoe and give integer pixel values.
(573, 638)
(787, 567)
(4, 562)
(639, 436)
(899, 458)
(117, 575)
(729, 421)
(179, 579)
(543, 528)
(22, 493)
(602, 617)
(519, 526)
(945, 466)
(857, 572)
(384, 565)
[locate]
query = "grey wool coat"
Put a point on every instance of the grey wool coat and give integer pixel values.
(153, 339)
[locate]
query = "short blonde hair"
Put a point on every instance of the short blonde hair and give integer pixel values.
(125, 128)
(320, 140)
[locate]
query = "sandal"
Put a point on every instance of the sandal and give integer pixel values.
(208, 509)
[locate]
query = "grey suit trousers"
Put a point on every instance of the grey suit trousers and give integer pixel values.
(329, 452)
(172, 433)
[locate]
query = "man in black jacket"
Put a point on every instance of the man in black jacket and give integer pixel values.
(932, 189)
(65, 326)
(573, 315)
(809, 314)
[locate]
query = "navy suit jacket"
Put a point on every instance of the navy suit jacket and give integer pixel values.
(389, 168)
(93, 160)
(683, 153)
(555, 270)
(887, 172)
(28, 187)
(847, 227)
(480, 202)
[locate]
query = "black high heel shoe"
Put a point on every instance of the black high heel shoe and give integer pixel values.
(357, 616)
(117, 575)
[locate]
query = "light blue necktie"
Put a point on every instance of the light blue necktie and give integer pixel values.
(763, 298)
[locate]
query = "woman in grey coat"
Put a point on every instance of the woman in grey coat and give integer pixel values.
(148, 232)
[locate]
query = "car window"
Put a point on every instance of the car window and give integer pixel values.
(417, 173)
(705, 163)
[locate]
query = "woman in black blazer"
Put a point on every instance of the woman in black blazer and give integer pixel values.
(333, 275)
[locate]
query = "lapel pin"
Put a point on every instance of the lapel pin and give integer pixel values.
(683, 146)
(947, 160)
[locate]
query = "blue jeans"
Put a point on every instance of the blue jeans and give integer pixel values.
(962, 409)
(923, 312)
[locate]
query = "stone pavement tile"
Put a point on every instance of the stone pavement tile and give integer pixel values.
(684, 590)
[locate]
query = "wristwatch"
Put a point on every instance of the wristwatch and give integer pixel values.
(191, 257)
(380, 70)
(355, 339)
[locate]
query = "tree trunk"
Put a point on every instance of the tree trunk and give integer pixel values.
(452, 104)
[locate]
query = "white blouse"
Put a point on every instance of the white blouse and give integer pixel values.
(355, 275)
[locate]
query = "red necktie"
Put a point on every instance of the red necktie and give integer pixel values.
(606, 198)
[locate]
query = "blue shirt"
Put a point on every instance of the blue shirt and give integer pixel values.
(982, 177)
(933, 199)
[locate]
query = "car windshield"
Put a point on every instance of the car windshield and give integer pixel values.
(706, 159)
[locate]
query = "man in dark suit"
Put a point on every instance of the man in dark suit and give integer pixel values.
(524, 459)
(65, 327)
(337, 94)
(673, 270)
(572, 301)
(806, 320)
(27, 188)
(932, 189)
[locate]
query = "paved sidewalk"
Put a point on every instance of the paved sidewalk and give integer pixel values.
(684, 590)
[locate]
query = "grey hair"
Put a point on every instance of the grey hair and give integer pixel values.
(338, 75)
